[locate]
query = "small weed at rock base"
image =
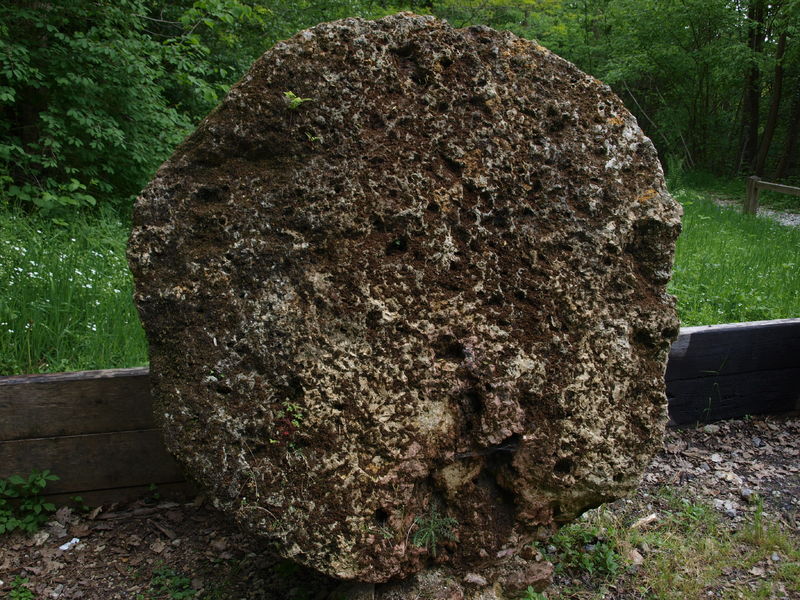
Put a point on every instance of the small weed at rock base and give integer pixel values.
(166, 583)
(21, 504)
(586, 548)
(432, 528)
(19, 589)
(531, 594)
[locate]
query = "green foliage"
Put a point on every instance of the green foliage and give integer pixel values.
(168, 584)
(293, 101)
(531, 594)
(432, 528)
(21, 504)
(586, 548)
(20, 589)
(94, 95)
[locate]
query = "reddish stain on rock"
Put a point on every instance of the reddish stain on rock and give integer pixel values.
(435, 290)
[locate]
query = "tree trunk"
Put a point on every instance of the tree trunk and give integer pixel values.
(772, 117)
(752, 85)
(789, 157)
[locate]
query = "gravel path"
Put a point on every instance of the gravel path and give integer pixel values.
(784, 218)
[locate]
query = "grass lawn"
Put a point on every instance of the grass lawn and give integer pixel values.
(67, 290)
(731, 268)
(66, 302)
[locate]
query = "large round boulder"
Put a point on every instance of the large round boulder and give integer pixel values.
(405, 292)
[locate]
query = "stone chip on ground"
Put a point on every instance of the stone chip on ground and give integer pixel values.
(419, 317)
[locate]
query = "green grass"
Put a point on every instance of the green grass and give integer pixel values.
(66, 302)
(67, 290)
(687, 552)
(731, 267)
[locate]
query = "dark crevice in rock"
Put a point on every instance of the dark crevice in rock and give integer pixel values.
(449, 348)
(563, 466)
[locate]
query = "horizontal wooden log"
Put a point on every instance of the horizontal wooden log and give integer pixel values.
(727, 371)
(777, 187)
(707, 351)
(37, 406)
(93, 462)
(730, 396)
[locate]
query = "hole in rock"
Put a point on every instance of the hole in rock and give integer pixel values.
(473, 402)
(669, 332)
(618, 477)
(644, 338)
(406, 51)
(498, 459)
(433, 207)
(373, 319)
(448, 348)
(495, 299)
(381, 517)
(420, 78)
(563, 466)
(379, 224)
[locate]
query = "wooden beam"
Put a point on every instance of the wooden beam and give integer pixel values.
(751, 196)
(93, 462)
(777, 187)
(37, 406)
(726, 371)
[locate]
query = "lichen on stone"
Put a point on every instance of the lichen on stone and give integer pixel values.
(440, 283)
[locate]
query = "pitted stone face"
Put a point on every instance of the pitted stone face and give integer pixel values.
(430, 297)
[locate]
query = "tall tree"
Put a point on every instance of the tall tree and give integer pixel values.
(752, 84)
(772, 117)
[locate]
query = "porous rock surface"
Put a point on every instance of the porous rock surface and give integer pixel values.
(434, 290)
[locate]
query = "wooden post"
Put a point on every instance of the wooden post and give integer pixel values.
(751, 201)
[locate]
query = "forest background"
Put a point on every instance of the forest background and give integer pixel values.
(95, 94)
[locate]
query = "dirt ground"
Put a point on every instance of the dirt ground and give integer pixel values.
(150, 550)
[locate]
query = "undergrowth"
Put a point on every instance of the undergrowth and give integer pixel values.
(22, 506)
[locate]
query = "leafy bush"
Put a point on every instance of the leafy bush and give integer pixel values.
(21, 505)
(95, 94)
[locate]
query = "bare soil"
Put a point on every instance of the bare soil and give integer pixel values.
(123, 550)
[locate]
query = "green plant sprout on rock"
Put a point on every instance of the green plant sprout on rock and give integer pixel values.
(293, 101)
(432, 528)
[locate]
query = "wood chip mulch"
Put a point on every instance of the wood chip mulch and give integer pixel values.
(122, 548)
